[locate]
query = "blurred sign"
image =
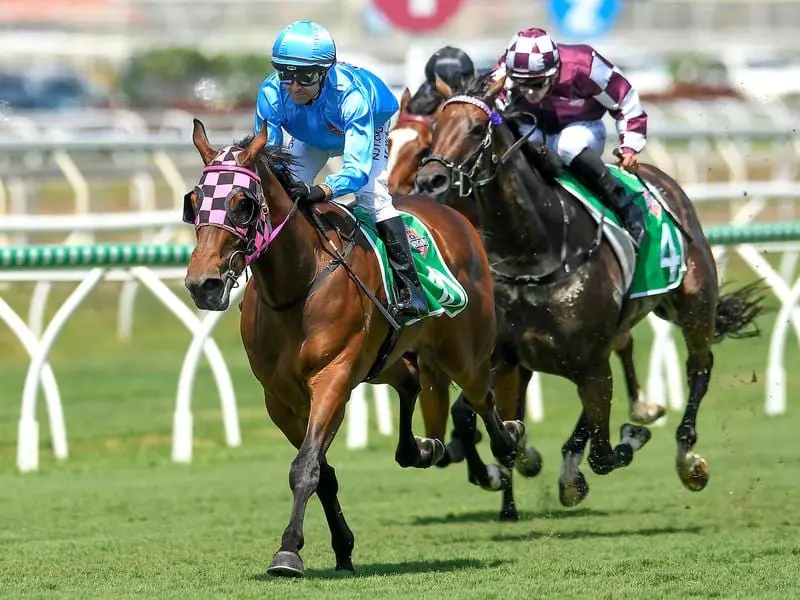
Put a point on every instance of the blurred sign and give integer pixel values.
(418, 15)
(582, 19)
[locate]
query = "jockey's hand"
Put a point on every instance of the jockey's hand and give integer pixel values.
(627, 159)
(302, 193)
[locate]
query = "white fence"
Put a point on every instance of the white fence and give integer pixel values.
(664, 385)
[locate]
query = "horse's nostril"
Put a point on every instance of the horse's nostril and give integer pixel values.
(211, 284)
(438, 182)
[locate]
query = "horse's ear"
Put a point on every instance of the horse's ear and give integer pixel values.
(443, 88)
(404, 101)
(248, 157)
(494, 90)
(200, 139)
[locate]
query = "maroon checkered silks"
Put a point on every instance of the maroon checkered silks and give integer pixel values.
(221, 179)
(532, 53)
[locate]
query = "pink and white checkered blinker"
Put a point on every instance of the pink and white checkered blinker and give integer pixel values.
(221, 180)
(532, 53)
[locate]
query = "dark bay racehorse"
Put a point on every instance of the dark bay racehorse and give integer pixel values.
(310, 332)
(410, 141)
(559, 287)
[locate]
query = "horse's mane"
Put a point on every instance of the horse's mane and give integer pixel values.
(477, 86)
(425, 100)
(274, 159)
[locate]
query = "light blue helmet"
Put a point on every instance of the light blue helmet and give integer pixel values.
(304, 44)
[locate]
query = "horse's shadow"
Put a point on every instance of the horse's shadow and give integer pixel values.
(415, 567)
(584, 534)
(487, 516)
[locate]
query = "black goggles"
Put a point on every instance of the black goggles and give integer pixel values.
(303, 76)
(531, 83)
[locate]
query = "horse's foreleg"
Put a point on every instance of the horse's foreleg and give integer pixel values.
(329, 392)
(640, 410)
(595, 389)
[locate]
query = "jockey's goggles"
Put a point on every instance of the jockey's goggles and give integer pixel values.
(531, 83)
(302, 75)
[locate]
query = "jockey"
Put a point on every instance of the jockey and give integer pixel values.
(335, 109)
(569, 88)
(453, 66)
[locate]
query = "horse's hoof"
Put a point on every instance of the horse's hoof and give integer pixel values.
(494, 474)
(529, 462)
(345, 564)
(516, 429)
(509, 515)
(636, 436)
(695, 473)
(437, 451)
(574, 492)
(286, 564)
(645, 413)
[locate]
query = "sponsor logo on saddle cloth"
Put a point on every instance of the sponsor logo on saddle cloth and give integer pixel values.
(660, 263)
(417, 241)
(443, 292)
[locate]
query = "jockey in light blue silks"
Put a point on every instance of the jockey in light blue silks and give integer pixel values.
(336, 109)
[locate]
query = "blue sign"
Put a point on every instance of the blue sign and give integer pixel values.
(583, 19)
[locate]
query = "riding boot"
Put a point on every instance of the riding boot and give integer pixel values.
(589, 167)
(410, 298)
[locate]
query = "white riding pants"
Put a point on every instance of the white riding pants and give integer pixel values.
(573, 139)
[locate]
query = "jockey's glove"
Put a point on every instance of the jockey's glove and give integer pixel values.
(302, 193)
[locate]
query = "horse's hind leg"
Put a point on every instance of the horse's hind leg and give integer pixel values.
(504, 436)
(697, 325)
(529, 460)
(640, 410)
(572, 486)
(489, 477)
(595, 388)
(413, 451)
(342, 540)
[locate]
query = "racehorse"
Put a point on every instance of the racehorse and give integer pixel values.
(312, 331)
(410, 141)
(559, 285)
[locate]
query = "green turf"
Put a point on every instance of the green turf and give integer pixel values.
(119, 520)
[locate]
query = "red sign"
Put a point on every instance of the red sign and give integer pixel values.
(418, 15)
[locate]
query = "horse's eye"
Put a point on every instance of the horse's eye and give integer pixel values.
(477, 130)
(243, 213)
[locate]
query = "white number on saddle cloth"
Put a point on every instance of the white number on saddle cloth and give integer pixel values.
(670, 257)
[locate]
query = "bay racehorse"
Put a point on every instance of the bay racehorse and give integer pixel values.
(310, 330)
(559, 285)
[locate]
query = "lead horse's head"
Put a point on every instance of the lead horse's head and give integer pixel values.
(230, 215)
(462, 140)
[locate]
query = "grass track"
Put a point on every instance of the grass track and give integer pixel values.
(118, 520)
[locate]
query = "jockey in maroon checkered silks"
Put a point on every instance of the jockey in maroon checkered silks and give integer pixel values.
(569, 88)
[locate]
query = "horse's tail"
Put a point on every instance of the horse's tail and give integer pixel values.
(737, 312)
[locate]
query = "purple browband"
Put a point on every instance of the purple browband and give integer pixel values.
(493, 115)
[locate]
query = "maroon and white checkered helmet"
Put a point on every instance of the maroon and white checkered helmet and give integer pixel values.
(532, 53)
